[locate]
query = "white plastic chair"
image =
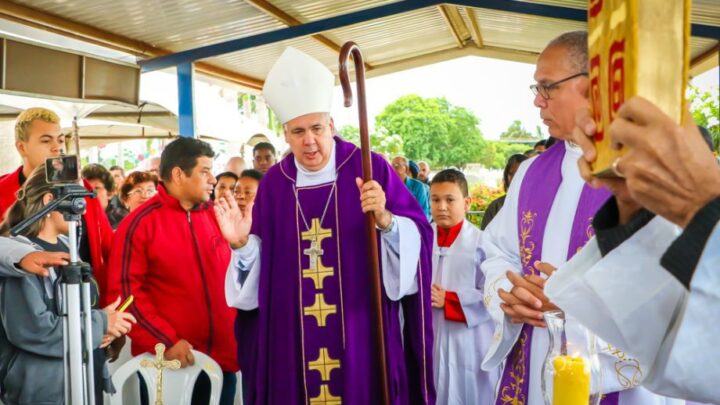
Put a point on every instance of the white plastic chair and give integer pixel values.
(178, 385)
(131, 390)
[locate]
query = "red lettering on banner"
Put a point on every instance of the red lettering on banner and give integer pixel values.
(616, 77)
(596, 97)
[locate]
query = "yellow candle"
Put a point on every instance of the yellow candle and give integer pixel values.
(571, 383)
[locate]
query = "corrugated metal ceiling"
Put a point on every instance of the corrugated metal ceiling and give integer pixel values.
(185, 24)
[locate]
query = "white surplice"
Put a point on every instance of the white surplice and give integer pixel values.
(459, 347)
(632, 301)
(399, 252)
(500, 243)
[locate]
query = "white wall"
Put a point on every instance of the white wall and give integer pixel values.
(9, 158)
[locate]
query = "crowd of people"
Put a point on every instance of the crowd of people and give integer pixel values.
(266, 269)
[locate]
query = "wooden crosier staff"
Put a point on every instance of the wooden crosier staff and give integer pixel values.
(347, 49)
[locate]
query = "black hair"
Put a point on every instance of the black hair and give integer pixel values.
(452, 176)
(95, 171)
(183, 153)
(264, 146)
(252, 173)
(227, 174)
(512, 160)
(539, 143)
(116, 167)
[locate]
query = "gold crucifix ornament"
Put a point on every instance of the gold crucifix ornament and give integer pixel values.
(159, 364)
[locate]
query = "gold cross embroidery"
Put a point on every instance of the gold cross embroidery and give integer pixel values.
(320, 309)
(325, 397)
(316, 271)
(324, 364)
(159, 364)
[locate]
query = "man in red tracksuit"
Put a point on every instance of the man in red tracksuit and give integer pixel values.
(38, 136)
(171, 256)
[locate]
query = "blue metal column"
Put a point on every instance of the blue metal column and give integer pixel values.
(186, 101)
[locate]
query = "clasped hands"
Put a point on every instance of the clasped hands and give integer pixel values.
(526, 300)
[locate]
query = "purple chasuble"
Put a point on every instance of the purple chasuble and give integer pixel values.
(312, 338)
(537, 193)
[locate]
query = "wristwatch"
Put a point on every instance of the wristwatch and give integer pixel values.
(389, 228)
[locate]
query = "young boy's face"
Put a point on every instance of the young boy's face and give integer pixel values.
(447, 204)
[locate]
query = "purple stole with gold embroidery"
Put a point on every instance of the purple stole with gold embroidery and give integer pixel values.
(537, 193)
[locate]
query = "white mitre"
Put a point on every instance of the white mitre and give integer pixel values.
(297, 85)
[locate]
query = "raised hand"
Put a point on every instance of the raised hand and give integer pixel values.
(583, 134)
(668, 167)
(234, 224)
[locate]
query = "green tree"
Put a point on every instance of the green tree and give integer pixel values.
(434, 130)
(516, 132)
(497, 153)
(705, 108)
(350, 134)
(380, 140)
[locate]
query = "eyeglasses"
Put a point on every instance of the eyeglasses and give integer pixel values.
(544, 89)
(145, 193)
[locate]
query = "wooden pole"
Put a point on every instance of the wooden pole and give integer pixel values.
(347, 49)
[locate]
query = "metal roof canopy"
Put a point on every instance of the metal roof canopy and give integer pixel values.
(394, 34)
(242, 39)
(315, 27)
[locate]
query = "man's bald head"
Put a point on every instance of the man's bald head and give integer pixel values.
(235, 164)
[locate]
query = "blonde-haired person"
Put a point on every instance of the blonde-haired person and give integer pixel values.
(31, 333)
(38, 136)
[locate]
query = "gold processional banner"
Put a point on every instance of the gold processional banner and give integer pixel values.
(637, 48)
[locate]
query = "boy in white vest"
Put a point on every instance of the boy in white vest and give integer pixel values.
(463, 328)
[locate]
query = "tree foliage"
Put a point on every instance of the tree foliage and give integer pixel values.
(381, 141)
(516, 132)
(705, 108)
(496, 153)
(434, 130)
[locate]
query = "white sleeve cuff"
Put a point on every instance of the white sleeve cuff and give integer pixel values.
(400, 269)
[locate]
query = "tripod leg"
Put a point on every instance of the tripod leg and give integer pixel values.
(89, 359)
(75, 344)
(66, 343)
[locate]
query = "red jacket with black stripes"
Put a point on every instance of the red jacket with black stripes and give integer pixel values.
(99, 231)
(174, 262)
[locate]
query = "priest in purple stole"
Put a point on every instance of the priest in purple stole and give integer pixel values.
(300, 261)
(547, 218)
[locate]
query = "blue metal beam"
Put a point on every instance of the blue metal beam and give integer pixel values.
(522, 7)
(186, 101)
(297, 31)
(514, 6)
